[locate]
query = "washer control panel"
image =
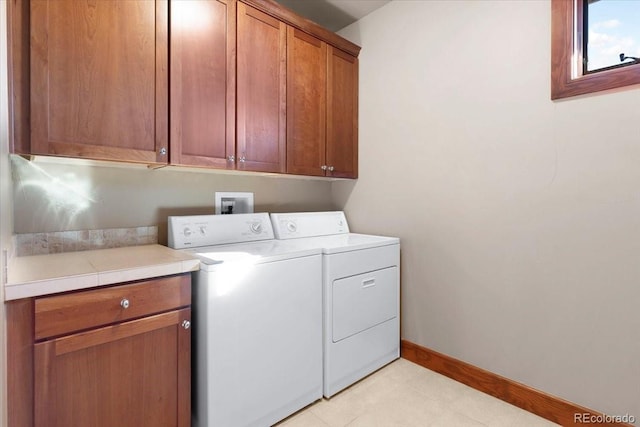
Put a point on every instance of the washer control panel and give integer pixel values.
(207, 230)
(308, 224)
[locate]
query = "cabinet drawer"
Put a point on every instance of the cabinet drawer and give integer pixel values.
(63, 314)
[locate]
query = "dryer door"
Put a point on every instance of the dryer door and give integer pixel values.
(363, 301)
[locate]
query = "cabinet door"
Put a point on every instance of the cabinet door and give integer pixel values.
(261, 144)
(306, 103)
(129, 375)
(203, 82)
(99, 82)
(342, 114)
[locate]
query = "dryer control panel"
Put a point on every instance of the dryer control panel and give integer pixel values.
(207, 230)
(308, 224)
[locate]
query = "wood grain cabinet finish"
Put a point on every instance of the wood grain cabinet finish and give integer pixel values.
(131, 374)
(342, 114)
(203, 81)
(261, 96)
(306, 103)
(253, 86)
(322, 108)
(68, 313)
(99, 79)
(133, 370)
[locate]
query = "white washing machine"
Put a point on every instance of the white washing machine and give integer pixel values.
(257, 310)
(361, 301)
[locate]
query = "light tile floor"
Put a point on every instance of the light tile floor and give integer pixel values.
(403, 394)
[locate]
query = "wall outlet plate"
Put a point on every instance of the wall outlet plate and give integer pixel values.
(233, 202)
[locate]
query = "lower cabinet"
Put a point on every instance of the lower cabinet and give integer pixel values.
(133, 371)
(128, 374)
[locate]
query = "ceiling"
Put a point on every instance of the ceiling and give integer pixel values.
(333, 14)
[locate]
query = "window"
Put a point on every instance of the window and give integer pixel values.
(571, 73)
(611, 34)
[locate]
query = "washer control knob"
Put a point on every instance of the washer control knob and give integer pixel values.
(292, 227)
(187, 231)
(203, 230)
(256, 227)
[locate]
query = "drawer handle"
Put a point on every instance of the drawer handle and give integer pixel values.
(186, 324)
(368, 283)
(124, 303)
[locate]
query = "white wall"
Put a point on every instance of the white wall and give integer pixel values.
(5, 204)
(519, 217)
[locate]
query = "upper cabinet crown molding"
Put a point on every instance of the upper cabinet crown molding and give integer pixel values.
(284, 14)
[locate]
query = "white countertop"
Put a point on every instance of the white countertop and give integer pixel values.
(36, 275)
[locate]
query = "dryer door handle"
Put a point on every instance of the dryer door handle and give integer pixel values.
(367, 283)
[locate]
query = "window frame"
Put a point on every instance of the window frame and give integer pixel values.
(567, 76)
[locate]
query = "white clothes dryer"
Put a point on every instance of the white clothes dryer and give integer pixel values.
(257, 303)
(361, 287)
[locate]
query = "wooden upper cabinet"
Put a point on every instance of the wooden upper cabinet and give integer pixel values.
(261, 96)
(342, 114)
(322, 108)
(306, 103)
(99, 79)
(203, 82)
(252, 85)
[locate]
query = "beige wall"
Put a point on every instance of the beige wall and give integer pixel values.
(5, 204)
(57, 197)
(519, 217)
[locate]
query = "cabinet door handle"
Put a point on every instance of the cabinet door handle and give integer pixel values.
(124, 303)
(242, 159)
(186, 324)
(163, 151)
(323, 167)
(231, 158)
(330, 168)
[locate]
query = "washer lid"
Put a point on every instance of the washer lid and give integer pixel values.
(247, 254)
